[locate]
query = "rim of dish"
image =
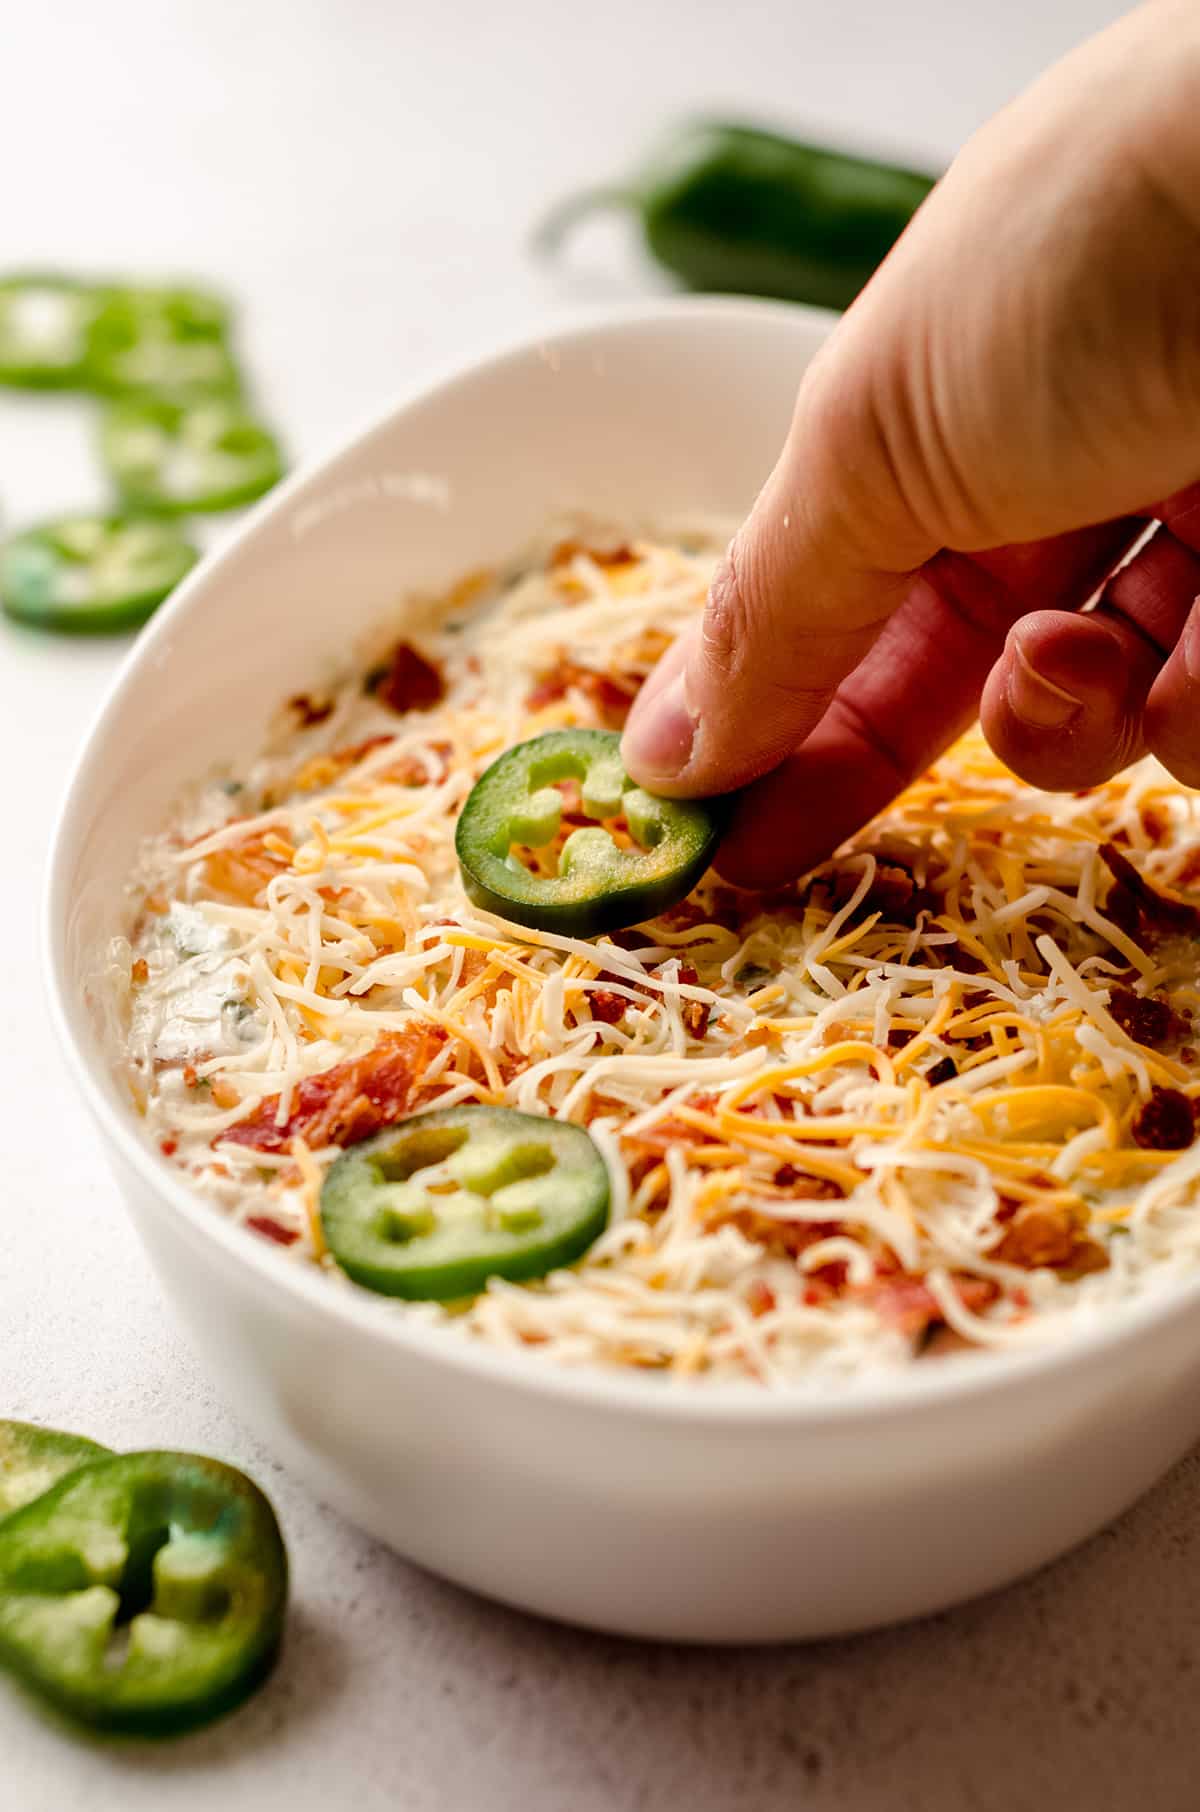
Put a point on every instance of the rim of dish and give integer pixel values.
(908, 1389)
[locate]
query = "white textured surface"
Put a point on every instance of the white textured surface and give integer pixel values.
(361, 175)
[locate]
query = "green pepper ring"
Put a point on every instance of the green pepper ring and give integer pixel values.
(599, 887)
(26, 370)
(33, 1458)
(179, 1554)
(530, 1195)
(242, 455)
(36, 564)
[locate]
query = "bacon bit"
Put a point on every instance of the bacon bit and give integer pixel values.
(190, 1077)
(944, 1070)
(350, 1101)
(760, 1297)
(1143, 911)
(1189, 1054)
(411, 770)
(897, 1039)
(272, 1229)
(168, 1147)
(607, 1007)
(309, 710)
(893, 893)
(1146, 1018)
(783, 1239)
(609, 694)
(908, 1304)
(243, 872)
(409, 682)
(1044, 1236)
(1156, 821)
(1167, 1122)
(140, 972)
(563, 552)
(693, 1013)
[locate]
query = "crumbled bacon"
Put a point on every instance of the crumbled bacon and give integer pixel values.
(168, 1147)
(893, 893)
(309, 710)
(140, 971)
(1146, 1018)
(409, 681)
(609, 694)
(944, 1070)
(607, 1006)
(1143, 911)
(694, 1013)
(1050, 1236)
(563, 552)
(272, 1229)
(780, 1238)
(243, 871)
(1167, 1122)
(907, 1302)
(350, 1101)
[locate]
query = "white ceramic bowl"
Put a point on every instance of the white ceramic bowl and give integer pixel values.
(628, 1503)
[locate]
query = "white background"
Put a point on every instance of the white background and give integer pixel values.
(362, 176)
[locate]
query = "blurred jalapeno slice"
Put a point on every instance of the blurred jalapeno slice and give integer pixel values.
(43, 331)
(92, 574)
(207, 454)
(439, 1203)
(598, 885)
(169, 342)
(144, 1593)
(32, 1459)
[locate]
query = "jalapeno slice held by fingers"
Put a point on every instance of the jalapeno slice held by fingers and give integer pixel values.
(170, 342)
(92, 574)
(597, 885)
(439, 1203)
(143, 1594)
(32, 1459)
(44, 324)
(208, 454)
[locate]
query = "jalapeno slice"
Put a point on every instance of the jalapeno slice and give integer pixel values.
(598, 885)
(32, 1459)
(44, 324)
(168, 342)
(143, 1594)
(92, 574)
(210, 454)
(439, 1203)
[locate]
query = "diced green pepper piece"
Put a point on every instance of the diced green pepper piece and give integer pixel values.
(143, 1594)
(32, 1459)
(44, 322)
(598, 886)
(209, 454)
(92, 574)
(439, 1203)
(162, 342)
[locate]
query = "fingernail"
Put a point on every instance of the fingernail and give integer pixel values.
(660, 733)
(1035, 699)
(1191, 644)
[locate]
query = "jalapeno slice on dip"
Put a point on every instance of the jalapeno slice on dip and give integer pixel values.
(43, 331)
(92, 574)
(598, 885)
(207, 454)
(143, 1594)
(170, 342)
(434, 1206)
(32, 1459)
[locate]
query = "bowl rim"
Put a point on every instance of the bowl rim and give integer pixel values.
(908, 1390)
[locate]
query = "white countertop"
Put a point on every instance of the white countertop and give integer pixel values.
(361, 175)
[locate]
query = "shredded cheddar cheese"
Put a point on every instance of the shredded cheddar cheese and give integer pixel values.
(942, 1084)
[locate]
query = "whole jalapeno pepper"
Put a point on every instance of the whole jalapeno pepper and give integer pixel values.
(733, 208)
(143, 1594)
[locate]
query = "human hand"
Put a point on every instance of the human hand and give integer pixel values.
(971, 456)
